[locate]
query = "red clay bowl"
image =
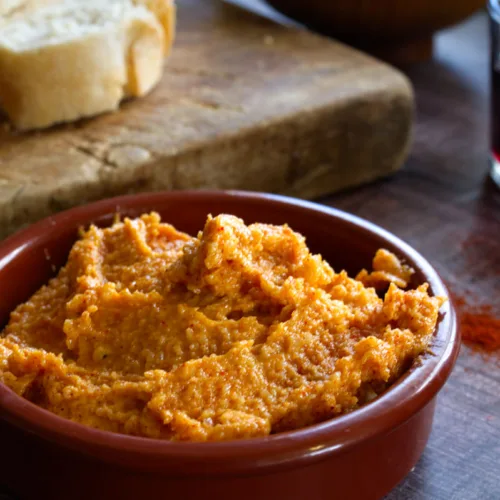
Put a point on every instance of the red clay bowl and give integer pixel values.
(361, 455)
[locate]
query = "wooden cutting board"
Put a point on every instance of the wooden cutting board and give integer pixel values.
(245, 103)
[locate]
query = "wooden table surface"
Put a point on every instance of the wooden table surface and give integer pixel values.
(444, 204)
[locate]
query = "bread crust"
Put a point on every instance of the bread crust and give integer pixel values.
(165, 12)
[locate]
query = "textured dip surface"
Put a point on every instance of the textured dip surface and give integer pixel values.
(238, 332)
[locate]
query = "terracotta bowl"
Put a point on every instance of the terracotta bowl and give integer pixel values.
(397, 31)
(361, 455)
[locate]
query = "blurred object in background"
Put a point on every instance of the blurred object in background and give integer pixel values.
(494, 11)
(398, 32)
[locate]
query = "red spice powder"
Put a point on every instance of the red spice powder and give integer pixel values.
(480, 328)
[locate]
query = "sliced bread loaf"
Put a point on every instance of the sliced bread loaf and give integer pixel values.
(77, 58)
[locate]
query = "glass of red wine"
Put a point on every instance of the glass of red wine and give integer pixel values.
(494, 11)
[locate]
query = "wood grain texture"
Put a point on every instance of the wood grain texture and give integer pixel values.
(444, 204)
(244, 103)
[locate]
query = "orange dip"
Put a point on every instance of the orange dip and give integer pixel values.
(239, 332)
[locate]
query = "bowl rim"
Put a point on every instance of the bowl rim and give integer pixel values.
(412, 392)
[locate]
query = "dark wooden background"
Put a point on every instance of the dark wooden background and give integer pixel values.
(444, 204)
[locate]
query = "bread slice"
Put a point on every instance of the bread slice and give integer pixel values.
(76, 58)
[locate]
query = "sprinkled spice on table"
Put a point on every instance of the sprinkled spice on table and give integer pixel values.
(479, 326)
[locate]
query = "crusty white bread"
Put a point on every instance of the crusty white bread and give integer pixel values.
(60, 61)
(13, 7)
